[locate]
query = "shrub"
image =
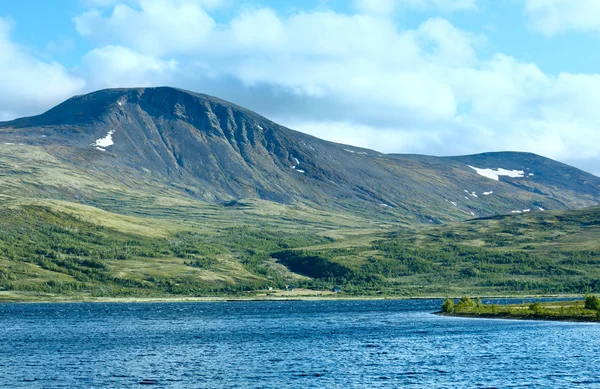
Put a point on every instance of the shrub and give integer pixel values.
(592, 302)
(537, 308)
(466, 303)
(469, 272)
(448, 306)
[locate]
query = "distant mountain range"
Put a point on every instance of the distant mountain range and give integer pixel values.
(115, 147)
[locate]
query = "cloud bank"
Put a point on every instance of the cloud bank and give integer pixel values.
(552, 17)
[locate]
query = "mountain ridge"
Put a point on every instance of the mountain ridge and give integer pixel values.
(213, 150)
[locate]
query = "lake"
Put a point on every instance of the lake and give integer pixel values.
(316, 344)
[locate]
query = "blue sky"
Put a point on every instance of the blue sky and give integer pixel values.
(417, 76)
(39, 24)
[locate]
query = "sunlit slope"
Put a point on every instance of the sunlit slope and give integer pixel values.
(55, 249)
(65, 248)
(544, 252)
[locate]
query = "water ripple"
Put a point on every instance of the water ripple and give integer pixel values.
(344, 344)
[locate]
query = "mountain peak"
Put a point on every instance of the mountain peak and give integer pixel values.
(157, 101)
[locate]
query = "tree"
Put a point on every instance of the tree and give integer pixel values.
(592, 302)
(466, 303)
(448, 306)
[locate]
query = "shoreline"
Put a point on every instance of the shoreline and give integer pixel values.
(522, 318)
(7, 297)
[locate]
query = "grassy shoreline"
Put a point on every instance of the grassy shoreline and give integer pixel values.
(297, 295)
(587, 310)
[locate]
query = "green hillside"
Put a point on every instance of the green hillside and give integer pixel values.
(538, 253)
(52, 249)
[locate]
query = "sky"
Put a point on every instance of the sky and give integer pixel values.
(438, 77)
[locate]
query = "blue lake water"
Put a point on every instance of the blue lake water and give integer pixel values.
(324, 344)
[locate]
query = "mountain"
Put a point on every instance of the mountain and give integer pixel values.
(117, 149)
(164, 192)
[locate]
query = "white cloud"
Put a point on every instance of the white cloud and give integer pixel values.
(261, 28)
(354, 59)
(30, 85)
(158, 27)
(551, 17)
(387, 7)
(117, 66)
(448, 45)
(388, 140)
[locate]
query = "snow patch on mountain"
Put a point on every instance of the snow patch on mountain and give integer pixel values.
(495, 174)
(106, 141)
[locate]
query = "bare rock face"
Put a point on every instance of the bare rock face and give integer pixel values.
(216, 151)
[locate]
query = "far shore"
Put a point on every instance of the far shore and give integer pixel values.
(295, 295)
(527, 318)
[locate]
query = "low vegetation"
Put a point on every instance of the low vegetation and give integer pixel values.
(42, 250)
(580, 310)
(50, 250)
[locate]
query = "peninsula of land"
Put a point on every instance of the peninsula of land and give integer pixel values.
(587, 310)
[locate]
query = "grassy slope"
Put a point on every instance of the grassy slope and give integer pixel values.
(53, 247)
(539, 253)
(33, 172)
(143, 238)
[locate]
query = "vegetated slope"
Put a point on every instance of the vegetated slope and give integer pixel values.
(112, 148)
(54, 249)
(51, 249)
(544, 252)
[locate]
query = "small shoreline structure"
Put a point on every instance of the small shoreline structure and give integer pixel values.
(586, 310)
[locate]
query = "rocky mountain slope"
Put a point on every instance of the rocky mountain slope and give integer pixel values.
(117, 148)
